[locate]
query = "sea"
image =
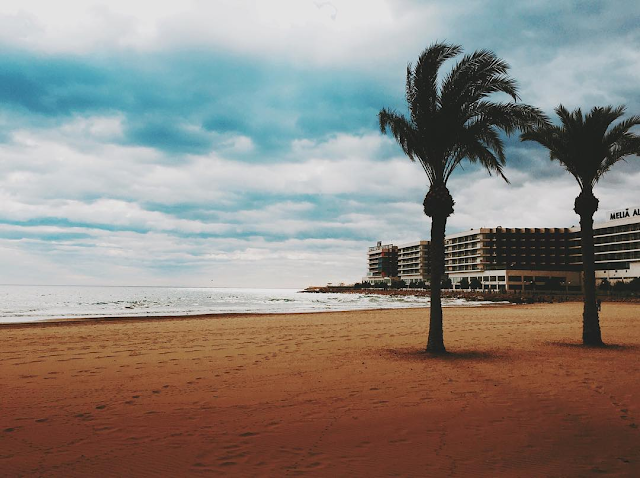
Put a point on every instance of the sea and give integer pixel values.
(23, 304)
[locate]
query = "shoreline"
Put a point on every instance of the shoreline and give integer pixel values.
(223, 315)
(491, 299)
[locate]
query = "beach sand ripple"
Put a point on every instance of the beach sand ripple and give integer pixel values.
(330, 394)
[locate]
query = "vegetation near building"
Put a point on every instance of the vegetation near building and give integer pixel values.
(474, 283)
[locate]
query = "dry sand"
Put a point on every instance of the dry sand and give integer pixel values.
(331, 394)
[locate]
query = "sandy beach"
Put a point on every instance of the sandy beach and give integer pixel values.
(326, 394)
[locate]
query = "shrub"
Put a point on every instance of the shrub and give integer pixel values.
(475, 283)
(605, 285)
(619, 286)
(398, 284)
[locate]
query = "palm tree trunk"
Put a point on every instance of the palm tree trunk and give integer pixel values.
(435, 343)
(586, 205)
(590, 322)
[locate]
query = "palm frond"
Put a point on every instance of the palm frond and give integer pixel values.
(587, 145)
(421, 85)
(628, 145)
(401, 129)
(509, 117)
(476, 76)
(457, 121)
(479, 152)
(620, 130)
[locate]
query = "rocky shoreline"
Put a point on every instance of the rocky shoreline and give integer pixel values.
(514, 298)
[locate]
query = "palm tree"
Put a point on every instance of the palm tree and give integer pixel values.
(448, 124)
(587, 147)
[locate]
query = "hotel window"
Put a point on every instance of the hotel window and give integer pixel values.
(501, 278)
(515, 278)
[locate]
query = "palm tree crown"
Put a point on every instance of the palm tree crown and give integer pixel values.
(586, 145)
(456, 120)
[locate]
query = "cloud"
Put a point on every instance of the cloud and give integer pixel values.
(188, 102)
(236, 142)
(298, 30)
(531, 202)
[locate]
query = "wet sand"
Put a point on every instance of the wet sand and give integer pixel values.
(328, 394)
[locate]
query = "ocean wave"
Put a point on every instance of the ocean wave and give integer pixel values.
(36, 303)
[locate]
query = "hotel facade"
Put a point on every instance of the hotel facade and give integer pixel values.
(383, 262)
(617, 246)
(512, 258)
(414, 261)
(410, 262)
(517, 259)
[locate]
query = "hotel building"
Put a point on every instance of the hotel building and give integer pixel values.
(414, 261)
(383, 263)
(617, 246)
(526, 258)
(512, 258)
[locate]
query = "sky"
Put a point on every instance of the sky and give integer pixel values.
(234, 143)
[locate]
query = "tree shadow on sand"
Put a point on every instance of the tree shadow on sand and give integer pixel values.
(420, 354)
(580, 345)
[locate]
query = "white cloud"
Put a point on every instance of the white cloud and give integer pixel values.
(483, 201)
(123, 257)
(106, 212)
(344, 32)
(574, 76)
(341, 145)
(238, 144)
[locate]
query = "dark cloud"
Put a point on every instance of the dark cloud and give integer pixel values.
(166, 135)
(170, 102)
